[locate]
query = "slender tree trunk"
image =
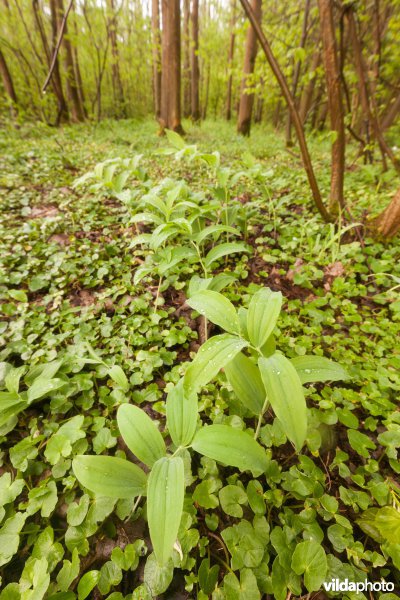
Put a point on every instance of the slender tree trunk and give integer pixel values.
(77, 113)
(171, 67)
(195, 62)
(207, 92)
(116, 75)
(368, 103)
(296, 73)
(78, 73)
(247, 100)
(305, 155)
(8, 84)
(62, 115)
(308, 92)
(228, 111)
(259, 109)
(155, 27)
(187, 92)
(335, 104)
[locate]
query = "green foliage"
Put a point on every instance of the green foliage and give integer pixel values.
(245, 515)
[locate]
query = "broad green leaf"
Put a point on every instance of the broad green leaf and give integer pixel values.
(182, 411)
(217, 352)
(220, 281)
(212, 230)
(140, 434)
(309, 558)
(285, 394)
(117, 375)
(109, 476)
(318, 368)
(223, 250)
(157, 578)
(216, 308)
(245, 379)
(45, 371)
(231, 447)
(175, 139)
(166, 491)
(12, 379)
(387, 520)
(42, 387)
(262, 315)
(18, 295)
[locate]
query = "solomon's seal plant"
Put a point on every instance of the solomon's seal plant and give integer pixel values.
(259, 376)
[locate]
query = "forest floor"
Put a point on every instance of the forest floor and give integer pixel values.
(66, 282)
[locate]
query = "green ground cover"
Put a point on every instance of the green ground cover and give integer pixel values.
(90, 286)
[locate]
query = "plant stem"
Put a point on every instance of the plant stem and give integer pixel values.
(157, 295)
(260, 418)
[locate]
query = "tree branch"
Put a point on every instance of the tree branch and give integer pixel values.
(57, 48)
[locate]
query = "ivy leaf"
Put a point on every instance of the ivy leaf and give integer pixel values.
(140, 434)
(243, 590)
(208, 577)
(309, 558)
(360, 442)
(166, 490)
(318, 368)
(212, 356)
(109, 476)
(231, 497)
(216, 308)
(231, 447)
(9, 536)
(87, 583)
(285, 393)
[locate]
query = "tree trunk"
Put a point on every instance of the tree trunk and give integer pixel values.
(78, 74)
(187, 93)
(247, 100)
(335, 104)
(296, 73)
(368, 104)
(195, 62)
(62, 115)
(77, 113)
(155, 27)
(118, 89)
(171, 67)
(305, 155)
(228, 110)
(387, 224)
(308, 92)
(8, 84)
(207, 92)
(391, 113)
